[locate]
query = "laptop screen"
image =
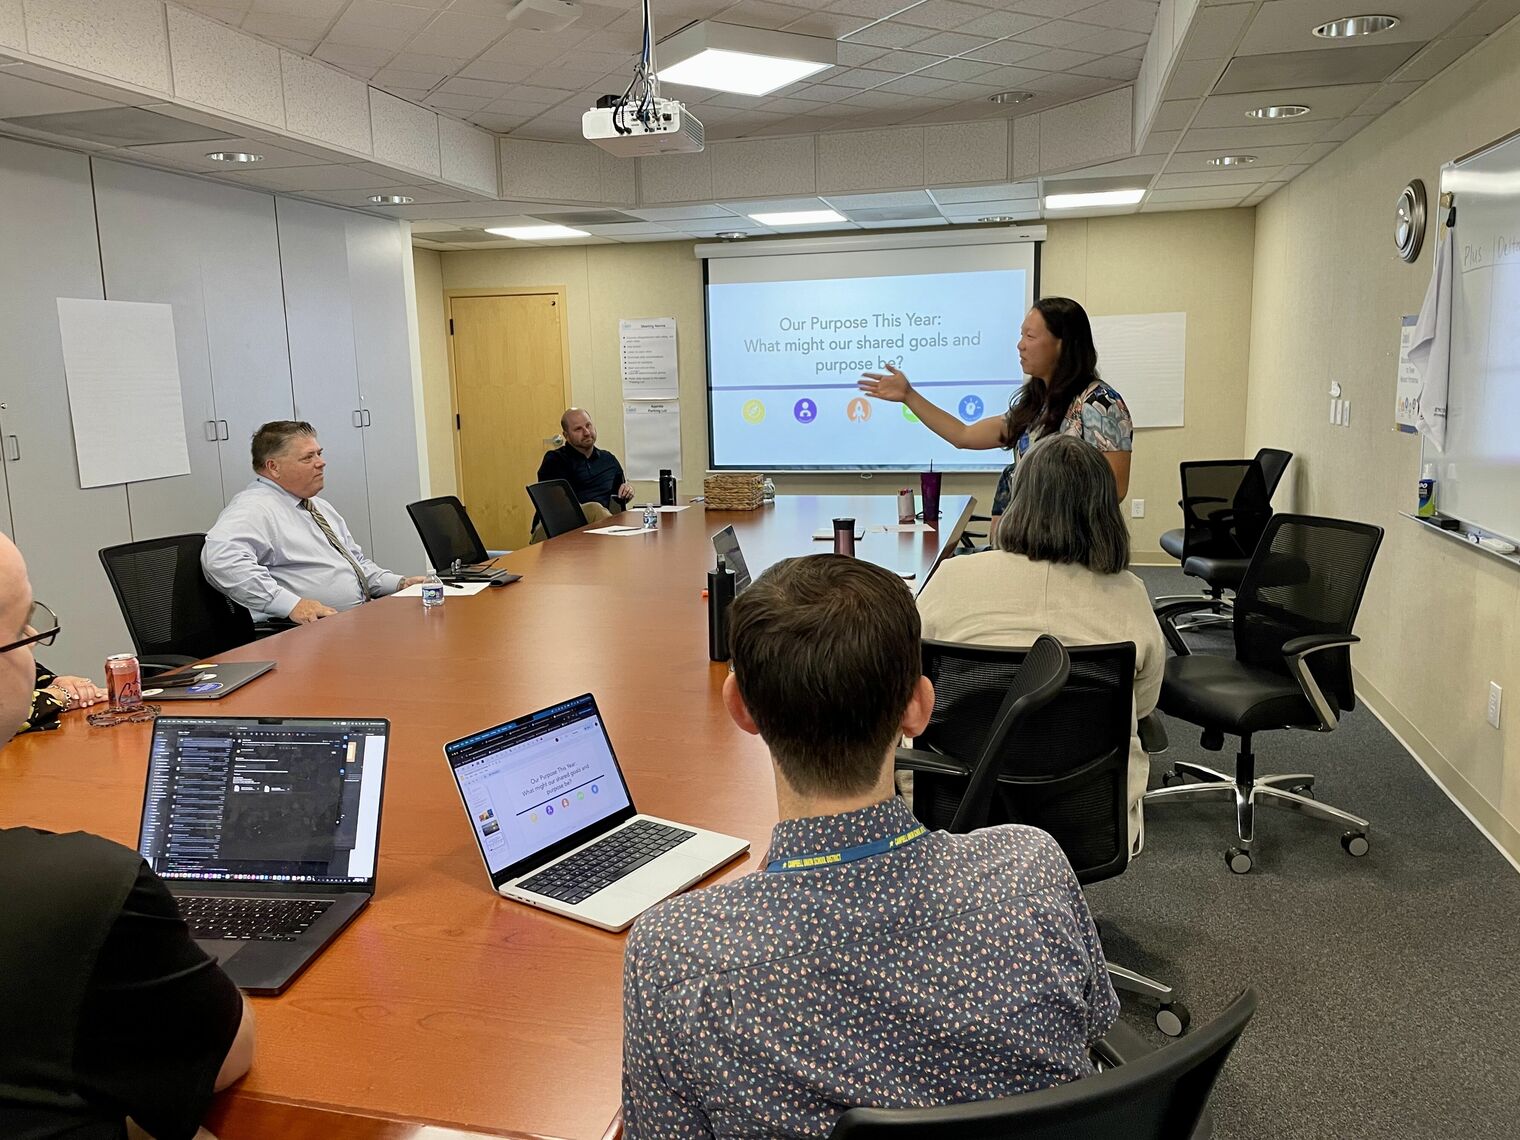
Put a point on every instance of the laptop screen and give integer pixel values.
(539, 785)
(264, 799)
(726, 544)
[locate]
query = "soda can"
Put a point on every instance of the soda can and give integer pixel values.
(123, 681)
(905, 508)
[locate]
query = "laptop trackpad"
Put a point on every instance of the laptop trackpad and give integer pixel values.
(220, 948)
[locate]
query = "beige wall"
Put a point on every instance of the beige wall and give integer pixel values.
(1439, 622)
(1196, 262)
(437, 398)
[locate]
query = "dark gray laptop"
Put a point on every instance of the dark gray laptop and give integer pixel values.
(205, 681)
(267, 830)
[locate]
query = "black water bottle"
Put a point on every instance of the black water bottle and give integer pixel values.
(667, 488)
(720, 595)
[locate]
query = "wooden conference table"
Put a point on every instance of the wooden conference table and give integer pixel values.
(444, 1004)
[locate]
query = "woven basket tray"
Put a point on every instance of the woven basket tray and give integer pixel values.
(733, 492)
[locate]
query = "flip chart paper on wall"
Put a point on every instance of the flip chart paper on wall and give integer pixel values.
(652, 436)
(648, 351)
(122, 371)
(1144, 358)
(1406, 412)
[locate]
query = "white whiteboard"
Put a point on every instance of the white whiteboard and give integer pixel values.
(122, 369)
(1143, 357)
(1478, 473)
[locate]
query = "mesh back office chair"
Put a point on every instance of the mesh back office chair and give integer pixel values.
(1161, 1096)
(447, 533)
(557, 508)
(174, 615)
(1274, 464)
(1292, 669)
(1064, 769)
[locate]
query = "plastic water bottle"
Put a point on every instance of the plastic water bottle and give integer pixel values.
(651, 517)
(768, 491)
(432, 590)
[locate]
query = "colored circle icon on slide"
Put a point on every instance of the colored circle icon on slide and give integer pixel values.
(908, 414)
(805, 411)
(754, 411)
(858, 411)
(971, 408)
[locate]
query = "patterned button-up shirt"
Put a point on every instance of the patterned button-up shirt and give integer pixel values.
(951, 968)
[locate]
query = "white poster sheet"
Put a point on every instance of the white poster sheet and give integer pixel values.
(1406, 411)
(652, 438)
(1143, 356)
(648, 351)
(122, 371)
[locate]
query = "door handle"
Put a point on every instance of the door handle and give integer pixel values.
(224, 434)
(15, 448)
(211, 436)
(358, 418)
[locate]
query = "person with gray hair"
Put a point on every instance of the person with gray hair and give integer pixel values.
(1057, 565)
(278, 550)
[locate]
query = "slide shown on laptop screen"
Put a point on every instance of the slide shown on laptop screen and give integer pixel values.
(276, 801)
(532, 782)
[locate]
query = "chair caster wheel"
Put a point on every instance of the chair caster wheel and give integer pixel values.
(1171, 779)
(1355, 843)
(1173, 1019)
(1239, 860)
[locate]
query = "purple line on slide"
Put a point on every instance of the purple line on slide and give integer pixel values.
(851, 386)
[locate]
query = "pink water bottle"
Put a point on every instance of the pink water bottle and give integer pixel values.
(906, 512)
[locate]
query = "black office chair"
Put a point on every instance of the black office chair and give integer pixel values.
(447, 534)
(174, 616)
(1161, 1096)
(1292, 669)
(1274, 464)
(1064, 767)
(556, 505)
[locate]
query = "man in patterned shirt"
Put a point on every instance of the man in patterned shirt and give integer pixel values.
(871, 962)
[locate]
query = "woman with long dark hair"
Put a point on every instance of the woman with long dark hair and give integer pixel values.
(1063, 395)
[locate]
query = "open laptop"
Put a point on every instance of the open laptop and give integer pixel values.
(557, 827)
(204, 681)
(726, 544)
(266, 830)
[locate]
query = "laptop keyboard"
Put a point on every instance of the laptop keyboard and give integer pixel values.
(607, 860)
(251, 919)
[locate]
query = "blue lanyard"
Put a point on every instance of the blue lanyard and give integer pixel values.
(848, 855)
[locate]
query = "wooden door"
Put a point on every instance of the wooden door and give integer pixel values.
(509, 385)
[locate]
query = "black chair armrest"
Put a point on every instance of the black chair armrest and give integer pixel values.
(1152, 731)
(921, 760)
(1297, 652)
(1172, 608)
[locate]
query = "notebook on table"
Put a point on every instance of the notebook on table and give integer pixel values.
(266, 830)
(557, 827)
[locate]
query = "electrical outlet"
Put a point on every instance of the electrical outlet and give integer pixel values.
(1137, 508)
(1495, 695)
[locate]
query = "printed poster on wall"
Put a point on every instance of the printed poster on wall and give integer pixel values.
(1406, 412)
(648, 351)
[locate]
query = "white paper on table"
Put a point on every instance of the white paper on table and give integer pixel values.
(1143, 357)
(651, 440)
(619, 531)
(670, 510)
(904, 528)
(464, 589)
(648, 350)
(122, 372)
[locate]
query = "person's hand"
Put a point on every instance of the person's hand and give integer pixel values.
(625, 492)
(77, 692)
(889, 385)
(307, 611)
(414, 580)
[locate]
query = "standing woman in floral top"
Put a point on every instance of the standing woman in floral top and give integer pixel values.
(1064, 394)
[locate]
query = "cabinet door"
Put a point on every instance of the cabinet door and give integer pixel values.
(379, 257)
(47, 233)
(324, 374)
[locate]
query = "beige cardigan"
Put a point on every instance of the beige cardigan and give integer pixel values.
(997, 598)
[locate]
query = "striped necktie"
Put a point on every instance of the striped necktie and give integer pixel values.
(326, 528)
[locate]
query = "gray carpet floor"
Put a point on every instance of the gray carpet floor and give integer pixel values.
(1388, 983)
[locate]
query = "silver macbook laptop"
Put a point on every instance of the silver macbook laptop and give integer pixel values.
(266, 830)
(557, 827)
(726, 546)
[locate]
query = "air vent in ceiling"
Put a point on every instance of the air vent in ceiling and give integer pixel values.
(118, 126)
(587, 218)
(1323, 68)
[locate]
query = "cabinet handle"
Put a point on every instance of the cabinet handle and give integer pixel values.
(358, 418)
(367, 420)
(15, 447)
(224, 434)
(211, 436)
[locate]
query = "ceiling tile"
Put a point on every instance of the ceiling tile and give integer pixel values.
(890, 35)
(1134, 15)
(896, 200)
(1266, 156)
(1199, 194)
(347, 177)
(1229, 110)
(942, 14)
(1250, 138)
(990, 193)
(1000, 24)
(1221, 180)
(1057, 59)
(192, 155)
(951, 43)
(1287, 25)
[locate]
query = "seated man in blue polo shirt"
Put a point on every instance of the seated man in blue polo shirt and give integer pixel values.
(870, 962)
(594, 475)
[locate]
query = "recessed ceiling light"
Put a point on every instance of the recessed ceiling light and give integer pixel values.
(1356, 26)
(234, 156)
(743, 61)
(799, 218)
(536, 233)
(731, 235)
(1011, 97)
(999, 218)
(1284, 111)
(1101, 198)
(390, 199)
(1232, 160)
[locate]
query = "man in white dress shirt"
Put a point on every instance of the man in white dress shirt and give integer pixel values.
(280, 551)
